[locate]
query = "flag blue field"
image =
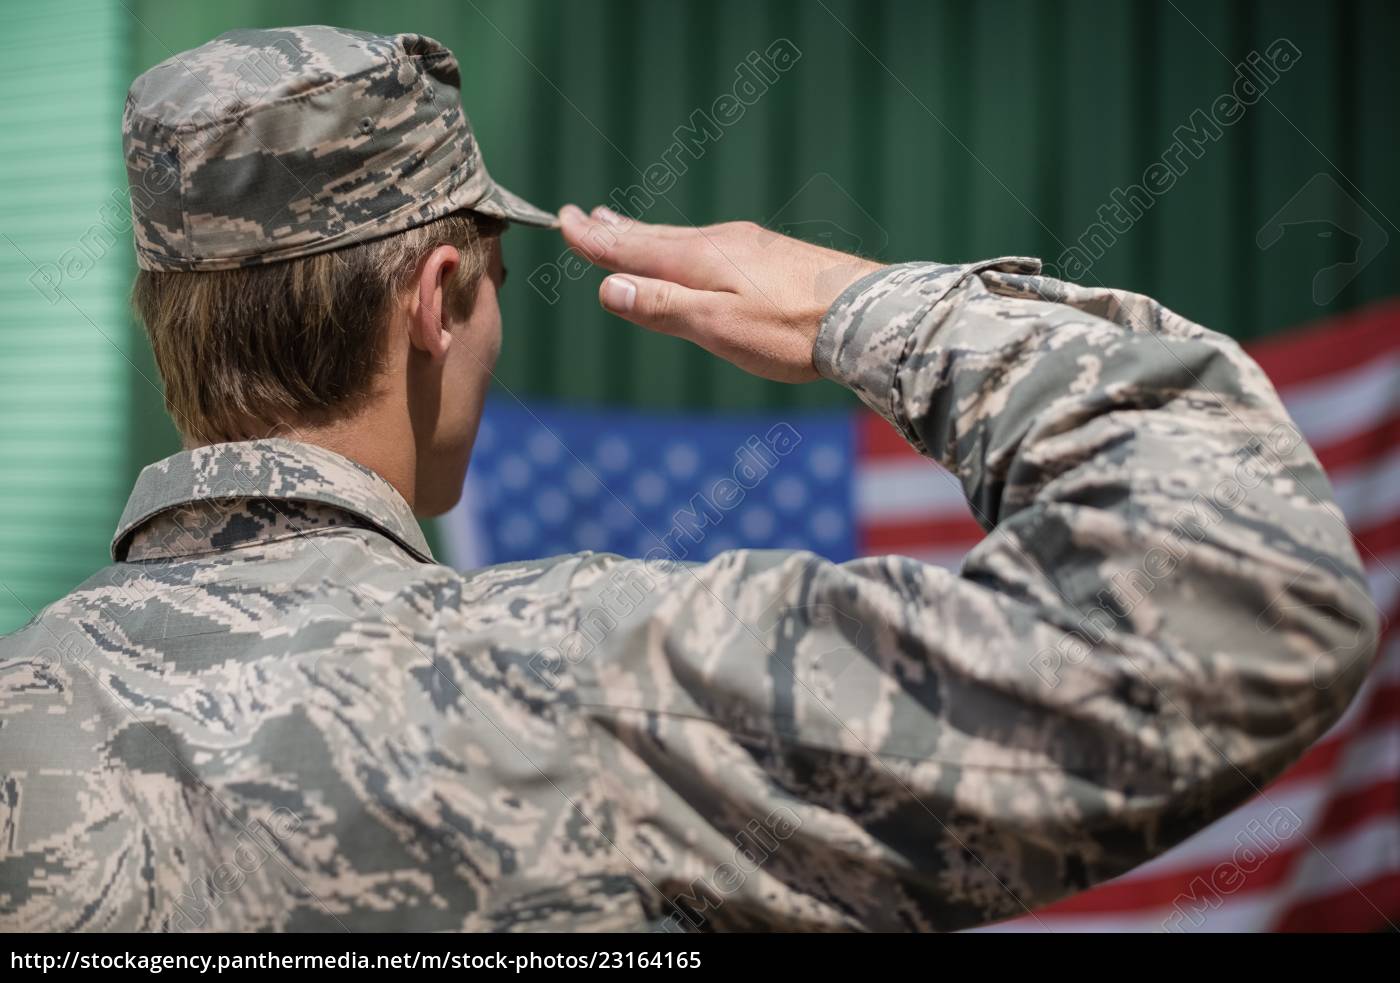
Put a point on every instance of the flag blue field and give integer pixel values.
(547, 480)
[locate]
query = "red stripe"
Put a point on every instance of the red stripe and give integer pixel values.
(1320, 758)
(1369, 906)
(876, 438)
(948, 533)
(1378, 540)
(1348, 810)
(1362, 446)
(1331, 346)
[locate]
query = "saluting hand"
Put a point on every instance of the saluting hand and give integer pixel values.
(742, 292)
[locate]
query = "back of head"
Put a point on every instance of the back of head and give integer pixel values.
(285, 184)
(246, 350)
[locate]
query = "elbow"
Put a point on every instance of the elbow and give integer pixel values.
(1318, 644)
(1291, 675)
(1276, 685)
(1324, 624)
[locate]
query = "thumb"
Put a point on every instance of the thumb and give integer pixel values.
(657, 305)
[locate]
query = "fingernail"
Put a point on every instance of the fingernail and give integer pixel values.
(619, 294)
(571, 211)
(605, 214)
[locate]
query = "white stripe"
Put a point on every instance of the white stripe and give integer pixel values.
(1335, 407)
(1369, 492)
(890, 491)
(1383, 577)
(1386, 672)
(947, 559)
(1363, 854)
(1372, 756)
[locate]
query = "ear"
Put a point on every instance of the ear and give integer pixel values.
(428, 331)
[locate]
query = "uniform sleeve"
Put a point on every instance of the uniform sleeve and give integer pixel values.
(1167, 611)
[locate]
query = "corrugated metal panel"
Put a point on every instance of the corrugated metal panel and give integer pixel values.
(64, 376)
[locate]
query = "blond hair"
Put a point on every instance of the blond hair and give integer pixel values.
(244, 350)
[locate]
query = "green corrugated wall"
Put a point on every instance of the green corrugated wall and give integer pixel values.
(66, 392)
(949, 130)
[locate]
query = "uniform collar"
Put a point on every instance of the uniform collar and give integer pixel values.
(226, 495)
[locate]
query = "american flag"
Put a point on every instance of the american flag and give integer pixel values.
(1318, 849)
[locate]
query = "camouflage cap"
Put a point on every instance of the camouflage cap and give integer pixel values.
(266, 145)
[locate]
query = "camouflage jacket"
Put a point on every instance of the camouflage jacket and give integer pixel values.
(275, 711)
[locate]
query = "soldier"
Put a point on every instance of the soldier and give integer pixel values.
(275, 711)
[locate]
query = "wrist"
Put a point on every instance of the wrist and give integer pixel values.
(865, 335)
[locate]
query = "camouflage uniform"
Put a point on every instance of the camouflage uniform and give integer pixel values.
(274, 711)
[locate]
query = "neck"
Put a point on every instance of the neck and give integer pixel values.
(373, 438)
(390, 454)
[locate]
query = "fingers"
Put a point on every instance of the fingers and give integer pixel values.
(603, 213)
(659, 305)
(628, 246)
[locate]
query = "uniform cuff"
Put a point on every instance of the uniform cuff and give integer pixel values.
(868, 332)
